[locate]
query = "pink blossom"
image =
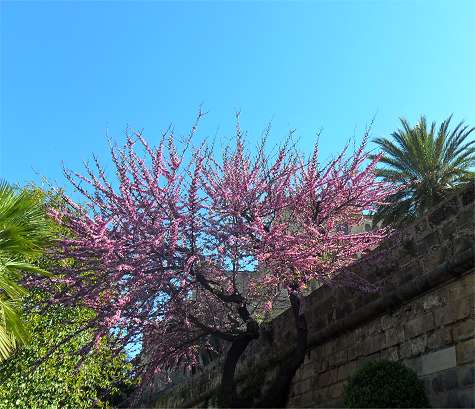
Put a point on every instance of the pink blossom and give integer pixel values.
(185, 241)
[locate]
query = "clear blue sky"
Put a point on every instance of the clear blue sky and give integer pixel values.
(71, 70)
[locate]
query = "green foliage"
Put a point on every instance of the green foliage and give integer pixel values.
(385, 384)
(24, 232)
(59, 381)
(429, 162)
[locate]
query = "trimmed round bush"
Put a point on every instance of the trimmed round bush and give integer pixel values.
(385, 384)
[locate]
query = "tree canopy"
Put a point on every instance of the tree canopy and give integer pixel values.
(159, 252)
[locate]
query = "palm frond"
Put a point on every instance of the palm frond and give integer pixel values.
(24, 232)
(427, 160)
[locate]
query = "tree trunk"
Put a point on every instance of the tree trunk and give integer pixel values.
(277, 395)
(227, 395)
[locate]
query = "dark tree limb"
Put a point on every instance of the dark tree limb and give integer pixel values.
(277, 395)
(227, 395)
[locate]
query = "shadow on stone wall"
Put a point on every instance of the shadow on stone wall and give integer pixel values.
(424, 317)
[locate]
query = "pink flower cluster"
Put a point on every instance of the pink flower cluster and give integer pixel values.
(169, 250)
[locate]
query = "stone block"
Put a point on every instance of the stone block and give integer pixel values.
(452, 400)
(405, 350)
(432, 301)
(466, 398)
(339, 358)
(443, 212)
(337, 390)
(449, 229)
(323, 365)
(355, 352)
(343, 310)
(327, 378)
(419, 344)
(462, 288)
(463, 242)
(319, 396)
(388, 321)
(464, 330)
(329, 348)
(466, 217)
(445, 381)
(307, 371)
(415, 364)
(370, 358)
(413, 347)
(345, 371)
(394, 336)
(457, 309)
(465, 352)
(466, 375)
(438, 361)
(419, 325)
(374, 327)
(344, 341)
(421, 227)
(304, 386)
(468, 195)
(439, 338)
(306, 399)
(374, 343)
(391, 354)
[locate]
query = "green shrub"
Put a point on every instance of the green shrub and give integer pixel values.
(58, 383)
(385, 384)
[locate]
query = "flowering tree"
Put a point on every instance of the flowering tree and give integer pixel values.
(159, 253)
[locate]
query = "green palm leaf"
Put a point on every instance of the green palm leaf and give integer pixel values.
(428, 161)
(24, 231)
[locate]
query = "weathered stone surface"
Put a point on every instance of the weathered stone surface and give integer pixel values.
(466, 351)
(462, 288)
(464, 330)
(466, 398)
(452, 400)
(465, 217)
(443, 212)
(391, 354)
(414, 347)
(468, 195)
(432, 301)
(421, 227)
(327, 378)
(419, 325)
(463, 242)
(453, 312)
(441, 337)
(355, 352)
(431, 331)
(346, 370)
(370, 358)
(415, 364)
(339, 358)
(305, 400)
(336, 391)
(466, 375)
(438, 361)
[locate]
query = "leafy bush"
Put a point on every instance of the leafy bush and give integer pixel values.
(59, 381)
(385, 384)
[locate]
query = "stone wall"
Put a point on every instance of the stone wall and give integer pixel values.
(424, 317)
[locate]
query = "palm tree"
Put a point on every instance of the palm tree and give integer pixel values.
(427, 163)
(24, 231)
